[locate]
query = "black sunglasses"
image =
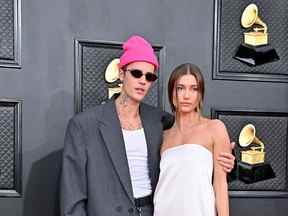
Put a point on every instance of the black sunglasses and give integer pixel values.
(136, 73)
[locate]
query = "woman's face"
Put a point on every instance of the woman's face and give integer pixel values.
(136, 88)
(186, 94)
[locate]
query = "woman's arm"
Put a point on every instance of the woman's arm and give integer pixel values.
(221, 144)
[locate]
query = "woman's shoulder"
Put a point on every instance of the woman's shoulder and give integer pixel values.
(216, 124)
(168, 132)
(170, 135)
(170, 138)
(218, 130)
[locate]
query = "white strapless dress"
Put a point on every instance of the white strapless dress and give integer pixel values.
(185, 182)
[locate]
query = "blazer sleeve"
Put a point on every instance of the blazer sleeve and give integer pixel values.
(73, 176)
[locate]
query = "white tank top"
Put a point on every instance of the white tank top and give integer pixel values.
(136, 151)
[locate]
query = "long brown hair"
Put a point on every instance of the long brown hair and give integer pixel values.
(180, 71)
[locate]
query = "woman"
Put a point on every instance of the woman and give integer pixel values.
(191, 181)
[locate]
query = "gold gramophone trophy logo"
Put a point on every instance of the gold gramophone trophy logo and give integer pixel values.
(252, 167)
(112, 78)
(256, 49)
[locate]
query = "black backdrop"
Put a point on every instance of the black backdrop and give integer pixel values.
(45, 81)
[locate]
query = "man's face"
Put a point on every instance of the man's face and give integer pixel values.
(136, 88)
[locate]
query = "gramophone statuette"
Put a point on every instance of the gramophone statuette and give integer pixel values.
(252, 166)
(112, 78)
(256, 154)
(258, 35)
(256, 49)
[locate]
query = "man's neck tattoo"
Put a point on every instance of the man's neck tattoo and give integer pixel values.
(124, 100)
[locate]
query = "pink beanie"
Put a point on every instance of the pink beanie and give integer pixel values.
(135, 49)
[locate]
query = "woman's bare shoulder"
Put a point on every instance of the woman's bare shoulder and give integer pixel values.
(169, 137)
(216, 124)
(220, 133)
(216, 127)
(168, 133)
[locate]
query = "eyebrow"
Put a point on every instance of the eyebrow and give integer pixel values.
(182, 85)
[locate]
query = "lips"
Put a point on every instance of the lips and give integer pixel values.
(140, 90)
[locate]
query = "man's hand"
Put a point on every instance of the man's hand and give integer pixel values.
(226, 160)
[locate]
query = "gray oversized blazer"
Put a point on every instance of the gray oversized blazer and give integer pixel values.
(95, 173)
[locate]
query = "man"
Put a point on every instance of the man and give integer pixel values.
(111, 154)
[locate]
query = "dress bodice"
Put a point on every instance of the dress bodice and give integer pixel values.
(185, 182)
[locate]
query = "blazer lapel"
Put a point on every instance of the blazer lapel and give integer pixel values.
(113, 137)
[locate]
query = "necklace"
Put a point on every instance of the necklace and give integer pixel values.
(129, 125)
(126, 122)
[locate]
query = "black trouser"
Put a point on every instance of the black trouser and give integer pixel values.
(144, 206)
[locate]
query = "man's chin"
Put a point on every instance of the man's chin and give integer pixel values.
(137, 98)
